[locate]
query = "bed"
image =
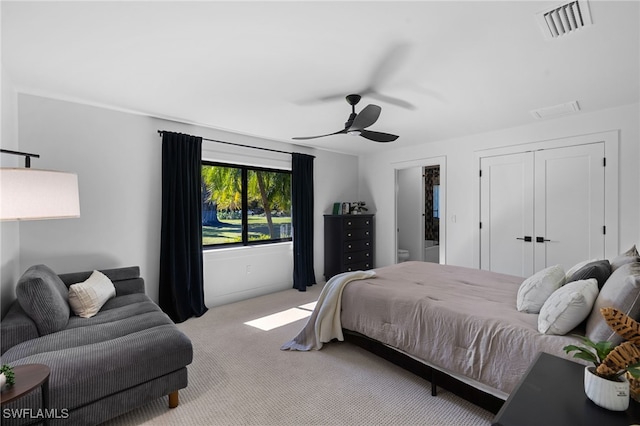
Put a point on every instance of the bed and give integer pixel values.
(469, 330)
(447, 322)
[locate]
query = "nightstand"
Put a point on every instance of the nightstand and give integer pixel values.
(552, 393)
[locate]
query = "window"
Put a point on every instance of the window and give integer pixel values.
(244, 205)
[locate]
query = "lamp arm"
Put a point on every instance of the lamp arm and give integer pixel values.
(27, 156)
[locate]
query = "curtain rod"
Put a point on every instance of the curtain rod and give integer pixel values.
(160, 132)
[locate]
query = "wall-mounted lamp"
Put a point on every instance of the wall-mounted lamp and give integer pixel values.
(32, 194)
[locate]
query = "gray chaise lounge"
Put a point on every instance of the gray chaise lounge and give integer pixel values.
(126, 355)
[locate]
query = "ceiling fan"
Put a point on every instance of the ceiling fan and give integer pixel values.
(357, 123)
(391, 60)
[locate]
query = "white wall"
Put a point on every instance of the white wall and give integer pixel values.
(9, 231)
(117, 156)
(377, 177)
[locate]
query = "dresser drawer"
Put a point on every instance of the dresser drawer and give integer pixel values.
(357, 222)
(357, 234)
(356, 256)
(356, 245)
(362, 266)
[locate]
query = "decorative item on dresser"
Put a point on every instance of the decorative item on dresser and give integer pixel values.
(348, 243)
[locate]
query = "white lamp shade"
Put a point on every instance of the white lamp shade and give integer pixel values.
(31, 194)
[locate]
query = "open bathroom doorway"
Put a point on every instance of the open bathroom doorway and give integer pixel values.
(420, 205)
(431, 215)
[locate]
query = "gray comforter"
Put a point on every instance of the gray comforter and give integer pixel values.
(460, 320)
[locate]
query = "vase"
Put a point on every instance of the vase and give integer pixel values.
(610, 394)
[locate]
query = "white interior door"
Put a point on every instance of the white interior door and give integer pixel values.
(542, 208)
(507, 214)
(569, 205)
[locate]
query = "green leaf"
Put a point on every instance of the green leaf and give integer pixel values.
(582, 353)
(634, 370)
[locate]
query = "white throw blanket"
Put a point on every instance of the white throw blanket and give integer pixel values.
(324, 323)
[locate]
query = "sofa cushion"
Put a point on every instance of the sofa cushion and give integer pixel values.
(126, 280)
(599, 269)
(82, 374)
(621, 291)
(117, 308)
(536, 289)
(567, 307)
(86, 298)
(16, 327)
(43, 296)
(88, 335)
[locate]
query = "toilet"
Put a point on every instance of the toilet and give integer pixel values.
(403, 255)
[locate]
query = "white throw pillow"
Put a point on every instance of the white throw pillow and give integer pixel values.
(86, 298)
(567, 307)
(536, 289)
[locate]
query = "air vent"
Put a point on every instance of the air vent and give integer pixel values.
(556, 110)
(562, 20)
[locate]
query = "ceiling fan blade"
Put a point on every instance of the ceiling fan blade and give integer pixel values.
(378, 136)
(300, 138)
(366, 117)
(393, 58)
(391, 100)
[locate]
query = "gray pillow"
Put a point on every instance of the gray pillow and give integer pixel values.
(621, 291)
(599, 269)
(628, 256)
(44, 297)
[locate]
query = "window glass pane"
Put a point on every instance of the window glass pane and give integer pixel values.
(269, 205)
(436, 201)
(221, 205)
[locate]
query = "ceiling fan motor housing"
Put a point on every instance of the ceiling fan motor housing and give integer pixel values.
(353, 99)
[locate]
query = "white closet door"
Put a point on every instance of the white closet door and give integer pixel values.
(569, 205)
(506, 201)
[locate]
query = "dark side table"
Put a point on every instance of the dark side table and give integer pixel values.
(552, 393)
(28, 377)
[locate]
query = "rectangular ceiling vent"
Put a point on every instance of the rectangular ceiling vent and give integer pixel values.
(564, 19)
(556, 110)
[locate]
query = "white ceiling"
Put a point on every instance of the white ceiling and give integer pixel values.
(256, 67)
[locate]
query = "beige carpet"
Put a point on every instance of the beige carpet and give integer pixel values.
(239, 376)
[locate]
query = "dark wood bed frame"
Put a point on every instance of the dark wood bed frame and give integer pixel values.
(437, 378)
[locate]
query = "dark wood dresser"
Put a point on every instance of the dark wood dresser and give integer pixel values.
(348, 243)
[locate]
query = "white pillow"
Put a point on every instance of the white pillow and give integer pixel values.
(567, 307)
(536, 289)
(86, 298)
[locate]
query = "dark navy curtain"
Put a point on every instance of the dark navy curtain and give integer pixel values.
(181, 293)
(302, 220)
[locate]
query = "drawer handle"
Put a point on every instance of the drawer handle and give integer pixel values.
(367, 244)
(348, 235)
(367, 222)
(349, 257)
(349, 223)
(349, 246)
(367, 255)
(367, 233)
(349, 269)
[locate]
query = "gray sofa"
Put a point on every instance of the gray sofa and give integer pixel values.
(126, 355)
